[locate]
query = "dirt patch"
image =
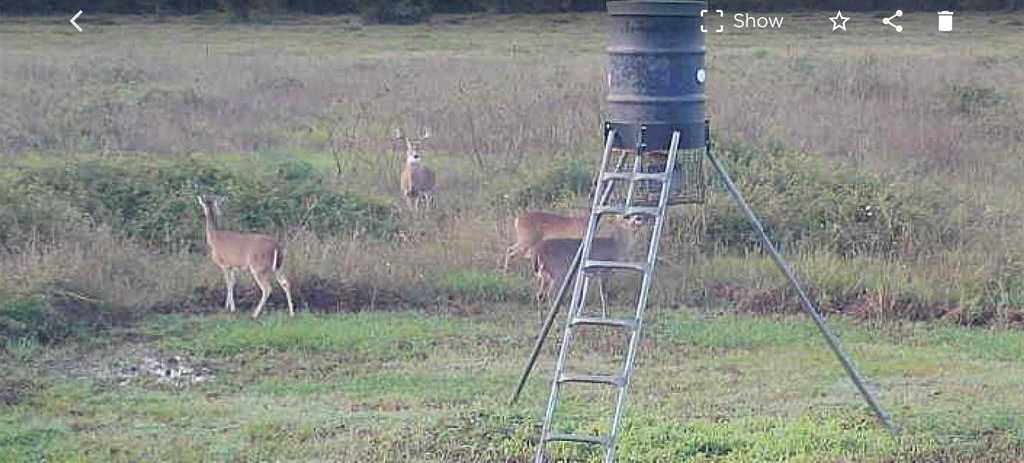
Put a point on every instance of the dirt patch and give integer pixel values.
(174, 370)
(317, 294)
(323, 295)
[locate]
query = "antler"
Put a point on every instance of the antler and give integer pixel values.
(426, 133)
(398, 134)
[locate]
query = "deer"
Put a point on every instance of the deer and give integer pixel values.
(260, 254)
(417, 179)
(553, 256)
(533, 227)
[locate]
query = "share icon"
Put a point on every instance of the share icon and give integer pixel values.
(888, 21)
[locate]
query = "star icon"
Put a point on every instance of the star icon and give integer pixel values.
(839, 21)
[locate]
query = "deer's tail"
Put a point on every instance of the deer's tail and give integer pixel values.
(278, 259)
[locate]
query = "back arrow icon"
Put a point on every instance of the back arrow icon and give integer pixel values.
(73, 18)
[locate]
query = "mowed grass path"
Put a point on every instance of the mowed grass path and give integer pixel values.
(412, 386)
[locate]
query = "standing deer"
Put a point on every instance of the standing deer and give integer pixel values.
(533, 227)
(417, 179)
(231, 251)
(552, 257)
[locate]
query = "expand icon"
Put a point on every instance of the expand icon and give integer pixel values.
(721, 14)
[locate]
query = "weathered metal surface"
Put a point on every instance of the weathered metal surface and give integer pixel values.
(656, 74)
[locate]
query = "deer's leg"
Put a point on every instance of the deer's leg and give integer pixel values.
(229, 281)
(600, 292)
(542, 292)
(509, 253)
(281, 280)
(263, 280)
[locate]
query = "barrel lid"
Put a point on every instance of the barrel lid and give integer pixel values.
(655, 8)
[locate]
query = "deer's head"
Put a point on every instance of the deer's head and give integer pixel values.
(413, 146)
(210, 204)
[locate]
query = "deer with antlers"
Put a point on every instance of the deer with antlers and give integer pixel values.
(417, 179)
(260, 254)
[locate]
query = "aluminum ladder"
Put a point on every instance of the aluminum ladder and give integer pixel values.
(620, 381)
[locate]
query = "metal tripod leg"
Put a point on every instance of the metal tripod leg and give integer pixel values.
(805, 302)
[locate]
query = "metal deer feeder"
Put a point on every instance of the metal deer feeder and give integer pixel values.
(656, 82)
(658, 132)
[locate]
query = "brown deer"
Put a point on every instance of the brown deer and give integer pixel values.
(417, 179)
(552, 257)
(533, 227)
(261, 255)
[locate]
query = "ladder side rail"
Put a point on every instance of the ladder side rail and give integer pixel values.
(574, 307)
(556, 303)
(645, 286)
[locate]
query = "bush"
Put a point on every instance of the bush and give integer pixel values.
(973, 99)
(35, 215)
(156, 201)
(806, 200)
(92, 280)
(45, 318)
(22, 349)
(24, 317)
(557, 184)
(394, 11)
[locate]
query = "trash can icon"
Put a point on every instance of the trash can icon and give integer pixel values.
(945, 21)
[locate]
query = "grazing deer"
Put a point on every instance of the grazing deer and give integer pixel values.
(231, 251)
(417, 179)
(552, 257)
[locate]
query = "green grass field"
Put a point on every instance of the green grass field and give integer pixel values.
(887, 167)
(414, 386)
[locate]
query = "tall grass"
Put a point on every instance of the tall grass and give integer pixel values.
(894, 186)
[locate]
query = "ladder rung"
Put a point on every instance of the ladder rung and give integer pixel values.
(610, 380)
(627, 211)
(629, 176)
(593, 440)
(591, 265)
(629, 324)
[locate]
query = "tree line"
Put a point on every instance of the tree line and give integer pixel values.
(411, 11)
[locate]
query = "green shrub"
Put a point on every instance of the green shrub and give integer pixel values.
(155, 201)
(23, 317)
(21, 348)
(35, 215)
(34, 317)
(972, 99)
(557, 184)
(806, 200)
